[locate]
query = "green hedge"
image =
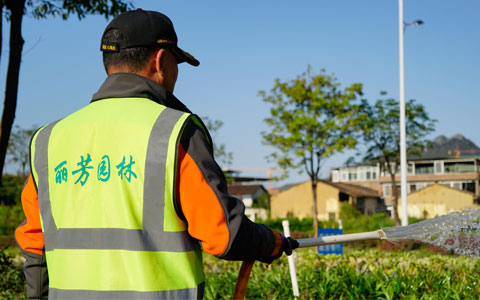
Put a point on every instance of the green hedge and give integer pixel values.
(11, 212)
(12, 280)
(11, 190)
(10, 218)
(304, 225)
(357, 275)
(352, 221)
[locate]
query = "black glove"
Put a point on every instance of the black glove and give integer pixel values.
(282, 244)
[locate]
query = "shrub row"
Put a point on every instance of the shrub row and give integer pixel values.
(12, 280)
(10, 218)
(357, 275)
(352, 221)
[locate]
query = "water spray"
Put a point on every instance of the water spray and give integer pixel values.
(456, 231)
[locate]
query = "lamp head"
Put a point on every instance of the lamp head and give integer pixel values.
(417, 23)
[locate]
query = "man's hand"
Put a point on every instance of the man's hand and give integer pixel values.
(282, 244)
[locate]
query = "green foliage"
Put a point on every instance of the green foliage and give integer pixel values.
(297, 226)
(262, 201)
(354, 221)
(381, 134)
(12, 280)
(11, 190)
(356, 275)
(10, 219)
(19, 148)
(219, 150)
(311, 119)
(42, 9)
(11, 212)
(381, 129)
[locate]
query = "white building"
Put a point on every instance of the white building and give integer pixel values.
(459, 173)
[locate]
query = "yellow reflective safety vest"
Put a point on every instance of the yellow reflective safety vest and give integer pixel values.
(105, 177)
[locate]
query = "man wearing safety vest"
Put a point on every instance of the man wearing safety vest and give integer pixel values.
(125, 193)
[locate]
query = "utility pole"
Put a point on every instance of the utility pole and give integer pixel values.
(403, 141)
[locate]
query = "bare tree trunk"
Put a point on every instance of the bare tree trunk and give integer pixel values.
(395, 199)
(315, 220)
(1, 27)
(16, 8)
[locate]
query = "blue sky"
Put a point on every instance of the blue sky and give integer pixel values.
(244, 45)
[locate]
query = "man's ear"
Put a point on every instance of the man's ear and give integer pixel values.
(156, 67)
(159, 58)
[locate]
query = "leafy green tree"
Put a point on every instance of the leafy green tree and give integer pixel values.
(219, 150)
(311, 119)
(381, 134)
(40, 9)
(18, 149)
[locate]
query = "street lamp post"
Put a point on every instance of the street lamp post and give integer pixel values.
(403, 143)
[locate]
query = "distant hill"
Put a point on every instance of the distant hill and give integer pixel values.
(456, 146)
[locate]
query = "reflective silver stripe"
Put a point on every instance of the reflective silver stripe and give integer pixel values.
(155, 164)
(41, 166)
(117, 239)
(194, 293)
(151, 237)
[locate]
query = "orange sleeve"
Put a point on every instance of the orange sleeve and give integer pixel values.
(214, 217)
(29, 234)
(200, 206)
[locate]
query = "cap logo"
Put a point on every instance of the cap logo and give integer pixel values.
(166, 42)
(111, 47)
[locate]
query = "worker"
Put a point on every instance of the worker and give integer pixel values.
(125, 193)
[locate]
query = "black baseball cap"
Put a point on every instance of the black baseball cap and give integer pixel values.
(143, 28)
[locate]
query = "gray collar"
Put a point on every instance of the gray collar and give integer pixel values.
(123, 85)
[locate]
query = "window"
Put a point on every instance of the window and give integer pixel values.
(459, 167)
(469, 186)
(426, 168)
(368, 175)
(387, 190)
(343, 197)
(421, 185)
(331, 216)
(439, 167)
(374, 175)
(335, 176)
(410, 168)
(413, 187)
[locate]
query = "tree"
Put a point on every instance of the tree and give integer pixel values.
(381, 133)
(40, 9)
(219, 150)
(311, 119)
(18, 150)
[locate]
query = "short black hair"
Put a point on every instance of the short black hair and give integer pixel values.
(135, 59)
